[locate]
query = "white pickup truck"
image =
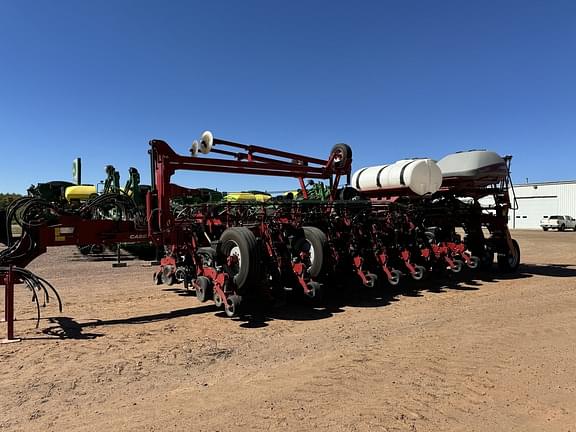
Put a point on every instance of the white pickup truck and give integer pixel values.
(558, 222)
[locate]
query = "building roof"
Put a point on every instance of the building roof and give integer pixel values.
(558, 182)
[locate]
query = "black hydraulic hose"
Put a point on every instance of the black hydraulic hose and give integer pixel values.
(26, 205)
(46, 296)
(9, 255)
(10, 213)
(120, 201)
(44, 290)
(44, 281)
(35, 284)
(35, 298)
(30, 283)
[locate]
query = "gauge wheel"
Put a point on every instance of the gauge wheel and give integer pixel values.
(217, 299)
(394, 278)
(207, 256)
(371, 280)
(315, 291)
(167, 275)
(158, 278)
(203, 288)
(418, 273)
(457, 266)
(509, 262)
(486, 258)
(474, 262)
(232, 306)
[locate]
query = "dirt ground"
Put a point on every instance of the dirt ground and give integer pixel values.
(478, 352)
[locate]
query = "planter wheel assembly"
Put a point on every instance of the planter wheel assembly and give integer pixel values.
(203, 288)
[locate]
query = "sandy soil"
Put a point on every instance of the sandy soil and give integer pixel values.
(479, 352)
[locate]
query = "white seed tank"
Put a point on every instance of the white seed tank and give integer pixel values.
(421, 176)
(480, 166)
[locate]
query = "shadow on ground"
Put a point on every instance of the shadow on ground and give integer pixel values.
(68, 328)
(551, 270)
(296, 307)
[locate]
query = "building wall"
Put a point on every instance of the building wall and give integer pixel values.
(536, 200)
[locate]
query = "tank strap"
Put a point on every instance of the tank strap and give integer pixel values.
(402, 182)
(378, 182)
(358, 177)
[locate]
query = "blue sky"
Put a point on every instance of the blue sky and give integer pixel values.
(394, 79)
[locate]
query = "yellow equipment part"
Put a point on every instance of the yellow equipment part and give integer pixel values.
(246, 196)
(80, 193)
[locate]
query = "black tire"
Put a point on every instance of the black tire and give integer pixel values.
(242, 242)
(181, 276)
(486, 259)
(203, 289)
(457, 267)
(371, 280)
(507, 262)
(217, 299)
(232, 306)
(315, 291)
(562, 227)
(158, 278)
(342, 154)
(545, 229)
(167, 276)
(207, 255)
(474, 262)
(319, 246)
(419, 273)
(394, 279)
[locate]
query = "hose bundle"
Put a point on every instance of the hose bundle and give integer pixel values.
(37, 285)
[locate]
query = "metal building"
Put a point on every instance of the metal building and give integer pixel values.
(536, 200)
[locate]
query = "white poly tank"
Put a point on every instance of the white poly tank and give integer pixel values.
(421, 176)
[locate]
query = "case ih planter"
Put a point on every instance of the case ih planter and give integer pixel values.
(400, 220)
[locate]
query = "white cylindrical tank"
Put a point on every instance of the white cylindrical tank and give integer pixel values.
(421, 176)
